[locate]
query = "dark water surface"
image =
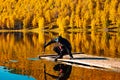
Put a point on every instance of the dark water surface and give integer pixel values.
(18, 52)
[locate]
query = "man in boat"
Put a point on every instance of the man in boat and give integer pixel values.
(63, 47)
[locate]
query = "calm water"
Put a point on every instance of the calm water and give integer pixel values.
(19, 51)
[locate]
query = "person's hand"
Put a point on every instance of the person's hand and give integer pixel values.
(44, 46)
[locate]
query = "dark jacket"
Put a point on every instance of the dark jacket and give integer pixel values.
(62, 41)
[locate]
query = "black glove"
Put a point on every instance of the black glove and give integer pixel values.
(45, 46)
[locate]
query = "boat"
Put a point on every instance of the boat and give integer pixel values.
(87, 61)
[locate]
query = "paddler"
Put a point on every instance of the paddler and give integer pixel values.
(63, 47)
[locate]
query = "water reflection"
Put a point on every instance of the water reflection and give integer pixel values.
(12, 74)
(95, 43)
(16, 48)
(64, 71)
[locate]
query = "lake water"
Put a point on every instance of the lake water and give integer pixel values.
(19, 51)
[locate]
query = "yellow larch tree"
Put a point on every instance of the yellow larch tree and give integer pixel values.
(41, 22)
(48, 16)
(113, 10)
(80, 12)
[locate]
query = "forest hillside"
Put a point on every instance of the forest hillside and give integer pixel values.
(27, 14)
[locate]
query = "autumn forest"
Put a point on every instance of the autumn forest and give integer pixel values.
(91, 26)
(47, 14)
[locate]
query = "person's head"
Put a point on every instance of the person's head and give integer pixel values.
(59, 38)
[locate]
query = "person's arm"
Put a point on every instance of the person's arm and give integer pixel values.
(50, 42)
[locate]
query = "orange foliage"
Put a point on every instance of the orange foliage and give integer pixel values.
(81, 13)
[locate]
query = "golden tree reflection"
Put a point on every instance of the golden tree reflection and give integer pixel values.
(21, 46)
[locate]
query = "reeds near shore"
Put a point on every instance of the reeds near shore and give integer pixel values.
(24, 14)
